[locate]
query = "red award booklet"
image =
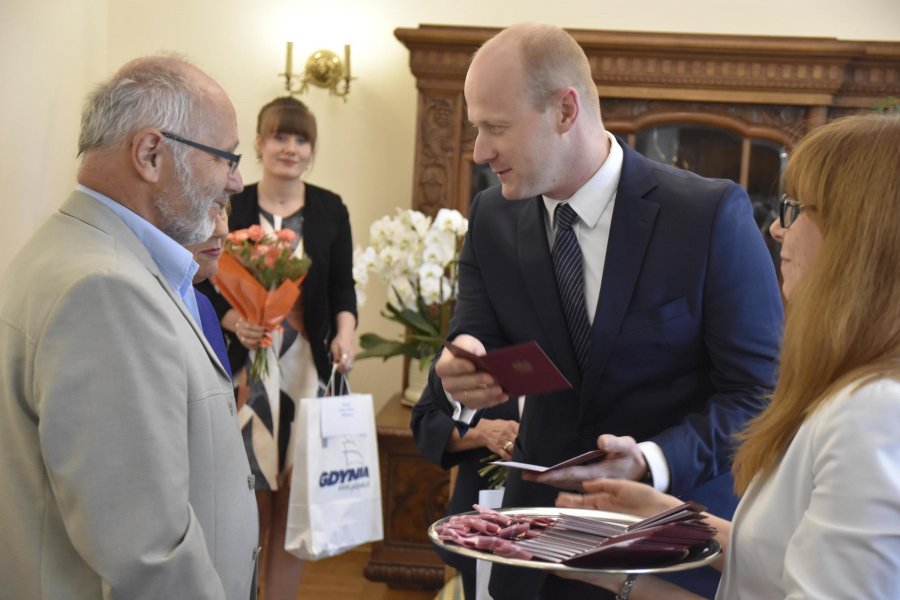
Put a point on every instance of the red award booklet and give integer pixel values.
(520, 370)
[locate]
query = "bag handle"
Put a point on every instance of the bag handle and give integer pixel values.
(338, 384)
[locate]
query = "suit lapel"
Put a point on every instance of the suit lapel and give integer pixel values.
(85, 208)
(537, 270)
(632, 223)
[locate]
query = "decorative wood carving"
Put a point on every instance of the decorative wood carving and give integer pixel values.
(775, 88)
(437, 162)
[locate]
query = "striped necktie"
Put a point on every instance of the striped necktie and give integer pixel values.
(570, 281)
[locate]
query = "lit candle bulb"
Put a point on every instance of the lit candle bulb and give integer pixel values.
(347, 61)
(287, 62)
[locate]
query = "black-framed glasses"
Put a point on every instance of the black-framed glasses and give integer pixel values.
(232, 159)
(790, 209)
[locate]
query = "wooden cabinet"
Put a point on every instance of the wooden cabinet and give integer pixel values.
(414, 494)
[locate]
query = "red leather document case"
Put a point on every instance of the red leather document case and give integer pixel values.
(520, 370)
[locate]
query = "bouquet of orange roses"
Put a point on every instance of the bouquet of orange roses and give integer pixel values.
(260, 276)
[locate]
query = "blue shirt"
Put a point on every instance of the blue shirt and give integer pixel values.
(209, 320)
(175, 262)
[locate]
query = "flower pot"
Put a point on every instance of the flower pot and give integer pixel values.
(417, 380)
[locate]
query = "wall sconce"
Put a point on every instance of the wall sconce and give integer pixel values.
(323, 69)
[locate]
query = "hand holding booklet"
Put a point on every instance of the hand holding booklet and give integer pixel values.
(521, 369)
(576, 460)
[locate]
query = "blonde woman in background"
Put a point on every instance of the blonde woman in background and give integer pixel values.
(819, 469)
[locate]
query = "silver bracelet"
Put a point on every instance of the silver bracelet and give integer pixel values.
(626, 587)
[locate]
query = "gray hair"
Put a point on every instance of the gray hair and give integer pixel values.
(147, 92)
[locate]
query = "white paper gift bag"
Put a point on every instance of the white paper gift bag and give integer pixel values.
(335, 499)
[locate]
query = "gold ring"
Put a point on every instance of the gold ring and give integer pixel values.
(466, 395)
(508, 446)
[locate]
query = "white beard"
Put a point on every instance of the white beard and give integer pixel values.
(185, 212)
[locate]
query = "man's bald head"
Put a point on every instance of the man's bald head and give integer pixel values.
(551, 60)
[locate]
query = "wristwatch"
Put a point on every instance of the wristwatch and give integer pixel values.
(648, 477)
(626, 587)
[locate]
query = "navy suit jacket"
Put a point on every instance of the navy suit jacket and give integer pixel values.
(684, 341)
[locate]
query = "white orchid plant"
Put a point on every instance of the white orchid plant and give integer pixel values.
(417, 258)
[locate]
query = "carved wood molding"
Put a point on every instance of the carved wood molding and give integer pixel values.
(771, 87)
(782, 124)
(794, 70)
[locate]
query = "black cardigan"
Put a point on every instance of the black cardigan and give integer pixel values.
(328, 288)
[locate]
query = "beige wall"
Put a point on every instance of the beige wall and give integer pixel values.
(53, 50)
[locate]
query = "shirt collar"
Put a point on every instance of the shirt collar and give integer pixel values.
(175, 262)
(590, 200)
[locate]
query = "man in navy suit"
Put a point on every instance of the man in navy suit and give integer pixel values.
(679, 290)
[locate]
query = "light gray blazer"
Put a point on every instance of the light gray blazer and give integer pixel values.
(122, 469)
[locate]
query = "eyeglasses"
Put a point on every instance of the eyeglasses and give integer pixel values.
(232, 159)
(790, 209)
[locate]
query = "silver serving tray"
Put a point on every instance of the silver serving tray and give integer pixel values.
(700, 557)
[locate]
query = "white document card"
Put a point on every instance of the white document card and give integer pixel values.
(341, 415)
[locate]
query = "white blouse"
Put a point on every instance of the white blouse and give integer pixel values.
(826, 523)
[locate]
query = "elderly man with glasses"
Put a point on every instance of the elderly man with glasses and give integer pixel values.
(124, 474)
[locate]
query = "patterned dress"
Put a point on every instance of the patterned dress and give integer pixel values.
(267, 418)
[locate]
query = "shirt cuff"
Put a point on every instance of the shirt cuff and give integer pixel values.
(656, 462)
(461, 414)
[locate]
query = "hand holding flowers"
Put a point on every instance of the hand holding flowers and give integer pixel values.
(260, 276)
